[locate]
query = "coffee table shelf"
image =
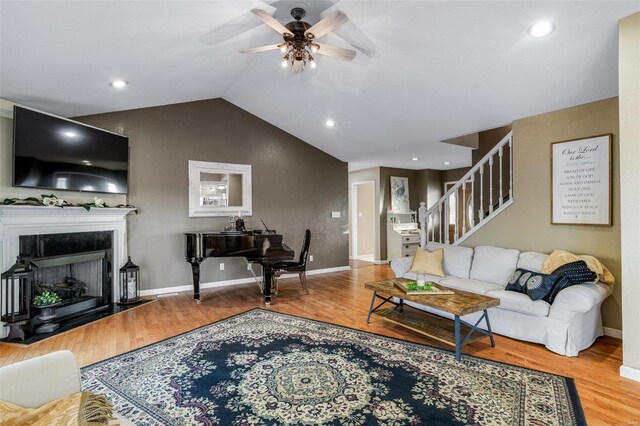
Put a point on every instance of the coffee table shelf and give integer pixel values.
(430, 325)
(461, 303)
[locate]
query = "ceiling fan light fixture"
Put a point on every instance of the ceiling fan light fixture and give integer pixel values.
(284, 63)
(313, 64)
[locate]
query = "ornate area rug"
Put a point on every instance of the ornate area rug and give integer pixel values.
(266, 368)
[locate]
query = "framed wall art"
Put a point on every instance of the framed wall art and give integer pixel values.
(400, 194)
(581, 181)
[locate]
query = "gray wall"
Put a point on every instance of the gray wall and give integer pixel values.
(295, 186)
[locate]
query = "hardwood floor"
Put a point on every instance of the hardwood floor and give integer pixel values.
(340, 298)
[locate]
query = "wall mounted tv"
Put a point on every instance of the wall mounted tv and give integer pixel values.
(54, 153)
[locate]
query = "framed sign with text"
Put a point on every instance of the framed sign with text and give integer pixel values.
(581, 181)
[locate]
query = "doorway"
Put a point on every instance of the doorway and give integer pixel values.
(363, 221)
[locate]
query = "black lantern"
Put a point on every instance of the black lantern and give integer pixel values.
(129, 283)
(15, 289)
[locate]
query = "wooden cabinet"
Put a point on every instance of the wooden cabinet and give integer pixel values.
(402, 240)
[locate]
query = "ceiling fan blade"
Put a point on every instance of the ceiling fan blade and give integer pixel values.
(236, 26)
(350, 33)
(271, 21)
(336, 52)
(260, 49)
(326, 25)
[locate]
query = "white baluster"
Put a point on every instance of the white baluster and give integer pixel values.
(455, 216)
(440, 222)
(464, 210)
(481, 215)
(500, 154)
(490, 185)
(472, 219)
(511, 167)
(446, 218)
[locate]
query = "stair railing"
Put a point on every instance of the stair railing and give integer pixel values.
(471, 202)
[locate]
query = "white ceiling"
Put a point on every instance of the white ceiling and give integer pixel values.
(440, 69)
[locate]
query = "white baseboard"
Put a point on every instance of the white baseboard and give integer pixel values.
(157, 291)
(381, 262)
(630, 373)
(365, 257)
(612, 332)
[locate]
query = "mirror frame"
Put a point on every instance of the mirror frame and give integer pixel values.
(197, 167)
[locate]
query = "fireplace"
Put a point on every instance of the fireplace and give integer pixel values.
(57, 238)
(75, 266)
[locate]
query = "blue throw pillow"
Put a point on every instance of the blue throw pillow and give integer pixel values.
(534, 284)
(571, 273)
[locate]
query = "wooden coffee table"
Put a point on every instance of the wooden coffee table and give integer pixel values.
(459, 304)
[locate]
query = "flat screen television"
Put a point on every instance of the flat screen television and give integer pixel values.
(55, 153)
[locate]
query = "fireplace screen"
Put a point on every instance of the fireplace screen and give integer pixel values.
(77, 267)
(75, 278)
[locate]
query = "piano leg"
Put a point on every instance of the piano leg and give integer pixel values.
(267, 275)
(195, 268)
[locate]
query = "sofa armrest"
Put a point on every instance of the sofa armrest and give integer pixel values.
(39, 380)
(579, 299)
(401, 265)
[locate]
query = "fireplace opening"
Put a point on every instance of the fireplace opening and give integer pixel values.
(82, 281)
(75, 266)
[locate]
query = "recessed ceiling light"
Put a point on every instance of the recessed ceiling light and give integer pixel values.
(541, 29)
(330, 123)
(86, 161)
(446, 163)
(70, 134)
(414, 158)
(118, 84)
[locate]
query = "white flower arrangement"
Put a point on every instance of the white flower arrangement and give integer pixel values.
(53, 201)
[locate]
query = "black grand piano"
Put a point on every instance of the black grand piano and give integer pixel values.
(265, 248)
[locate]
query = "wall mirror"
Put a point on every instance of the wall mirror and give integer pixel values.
(219, 189)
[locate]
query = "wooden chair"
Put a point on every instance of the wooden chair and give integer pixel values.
(299, 267)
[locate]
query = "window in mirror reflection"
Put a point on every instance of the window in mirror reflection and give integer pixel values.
(220, 189)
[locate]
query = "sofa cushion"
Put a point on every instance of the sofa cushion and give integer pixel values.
(493, 264)
(432, 278)
(457, 259)
(473, 286)
(531, 260)
(521, 303)
(428, 262)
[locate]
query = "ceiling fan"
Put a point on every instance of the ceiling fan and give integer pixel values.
(300, 39)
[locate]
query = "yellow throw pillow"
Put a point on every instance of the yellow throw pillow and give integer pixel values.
(428, 262)
(560, 257)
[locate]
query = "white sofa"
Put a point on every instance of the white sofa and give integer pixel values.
(39, 380)
(572, 323)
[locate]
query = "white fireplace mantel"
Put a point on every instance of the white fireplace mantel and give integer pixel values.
(34, 220)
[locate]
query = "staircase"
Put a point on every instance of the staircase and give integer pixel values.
(479, 196)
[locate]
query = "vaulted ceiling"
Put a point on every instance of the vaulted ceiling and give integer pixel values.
(440, 69)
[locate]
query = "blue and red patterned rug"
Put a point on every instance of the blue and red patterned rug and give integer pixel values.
(267, 368)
